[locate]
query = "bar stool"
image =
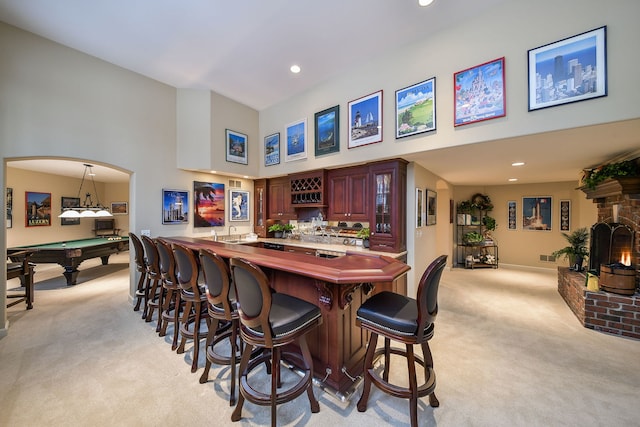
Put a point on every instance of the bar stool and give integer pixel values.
(271, 321)
(223, 314)
(142, 269)
(153, 286)
(195, 301)
(24, 270)
(169, 299)
(409, 321)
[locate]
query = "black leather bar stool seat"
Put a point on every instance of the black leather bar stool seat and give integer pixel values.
(408, 321)
(271, 321)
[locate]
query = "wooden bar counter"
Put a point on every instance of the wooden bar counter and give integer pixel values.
(338, 286)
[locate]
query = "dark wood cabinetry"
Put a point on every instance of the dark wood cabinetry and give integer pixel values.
(260, 207)
(348, 194)
(279, 206)
(309, 189)
(388, 221)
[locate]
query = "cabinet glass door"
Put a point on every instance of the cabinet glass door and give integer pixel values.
(383, 203)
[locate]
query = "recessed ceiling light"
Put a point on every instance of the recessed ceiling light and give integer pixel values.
(513, 179)
(295, 69)
(517, 164)
(425, 2)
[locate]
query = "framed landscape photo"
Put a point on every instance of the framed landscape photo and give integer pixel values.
(238, 205)
(175, 206)
(272, 149)
(119, 208)
(208, 204)
(327, 125)
(37, 209)
(416, 109)
(536, 213)
(479, 93)
(432, 207)
(365, 120)
(69, 202)
(570, 70)
(237, 148)
(296, 140)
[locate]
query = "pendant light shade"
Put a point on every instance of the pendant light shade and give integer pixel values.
(87, 209)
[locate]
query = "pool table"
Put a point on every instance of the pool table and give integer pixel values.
(70, 253)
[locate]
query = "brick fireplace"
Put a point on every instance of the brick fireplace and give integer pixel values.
(616, 313)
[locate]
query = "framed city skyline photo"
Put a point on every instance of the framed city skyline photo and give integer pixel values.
(570, 70)
(416, 109)
(237, 148)
(175, 206)
(238, 205)
(296, 140)
(365, 120)
(327, 125)
(479, 93)
(272, 149)
(536, 213)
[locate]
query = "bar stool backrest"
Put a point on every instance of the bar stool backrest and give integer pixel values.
(166, 262)
(151, 256)
(186, 269)
(138, 252)
(217, 279)
(427, 297)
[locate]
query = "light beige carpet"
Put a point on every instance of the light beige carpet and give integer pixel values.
(507, 350)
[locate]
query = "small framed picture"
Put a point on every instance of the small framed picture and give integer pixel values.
(175, 206)
(69, 202)
(419, 208)
(272, 149)
(37, 209)
(565, 215)
(512, 215)
(432, 207)
(236, 147)
(536, 213)
(365, 120)
(570, 70)
(296, 140)
(239, 205)
(9, 207)
(479, 93)
(119, 208)
(416, 109)
(327, 124)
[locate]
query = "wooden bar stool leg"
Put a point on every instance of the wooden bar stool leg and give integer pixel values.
(306, 354)
(242, 371)
(368, 364)
(428, 364)
(413, 385)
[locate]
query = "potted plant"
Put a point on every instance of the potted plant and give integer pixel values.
(490, 225)
(472, 237)
(464, 212)
(287, 228)
(364, 234)
(626, 168)
(277, 229)
(577, 250)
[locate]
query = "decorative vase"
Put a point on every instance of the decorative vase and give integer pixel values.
(365, 243)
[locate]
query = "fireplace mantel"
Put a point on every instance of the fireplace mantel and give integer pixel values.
(610, 187)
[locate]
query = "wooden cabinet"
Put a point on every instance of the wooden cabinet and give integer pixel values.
(299, 250)
(279, 204)
(309, 189)
(260, 207)
(388, 221)
(348, 194)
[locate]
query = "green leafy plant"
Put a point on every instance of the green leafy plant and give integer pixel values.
(277, 227)
(363, 233)
(482, 202)
(577, 247)
(489, 222)
(288, 227)
(593, 177)
(464, 207)
(472, 237)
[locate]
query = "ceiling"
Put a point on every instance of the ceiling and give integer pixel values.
(243, 50)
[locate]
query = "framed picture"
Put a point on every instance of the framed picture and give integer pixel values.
(272, 149)
(327, 124)
(569, 70)
(208, 204)
(69, 202)
(296, 140)
(237, 148)
(37, 209)
(9, 200)
(511, 215)
(479, 93)
(565, 215)
(536, 213)
(419, 208)
(432, 206)
(365, 120)
(119, 208)
(238, 205)
(175, 206)
(416, 109)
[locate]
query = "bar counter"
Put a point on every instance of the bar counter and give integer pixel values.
(338, 286)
